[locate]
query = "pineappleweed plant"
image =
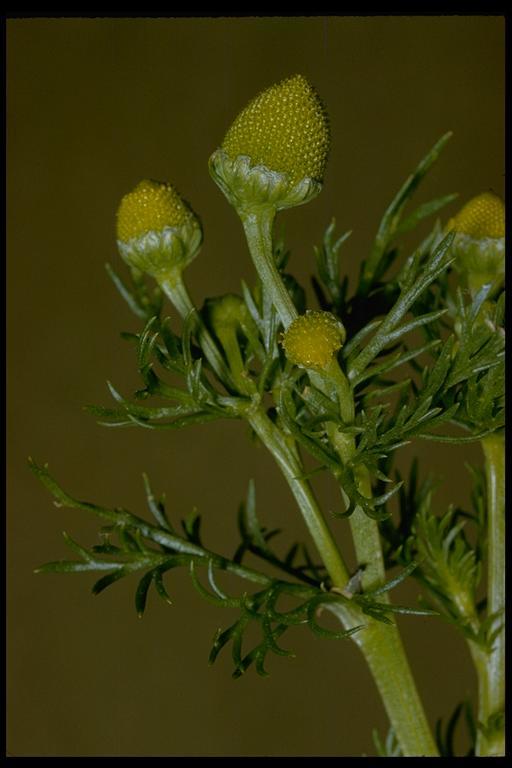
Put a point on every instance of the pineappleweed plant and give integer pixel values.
(347, 383)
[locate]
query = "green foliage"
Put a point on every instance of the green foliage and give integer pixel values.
(373, 296)
(422, 360)
(477, 375)
(142, 302)
(493, 726)
(462, 385)
(392, 223)
(330, 287)
(131, 545)
(449, 561)
(416, 277)
(390, 748)
(445, 737)
(195, 403)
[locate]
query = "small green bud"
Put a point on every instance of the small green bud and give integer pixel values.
(228, 312)
(157, 231)
(479, 243)
(313, 339)
(231, 321)
(276, 150)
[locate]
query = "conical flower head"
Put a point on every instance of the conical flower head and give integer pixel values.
(483, 216)
(157, 231)
(150, 207)
(274, 154)
(284, 128)
(479, 243)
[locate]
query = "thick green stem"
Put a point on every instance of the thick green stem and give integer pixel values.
(380, 643)
(258, 230)
(490, 666)
(382, 646)
(308, 505)
(365, 531)
(387, 660)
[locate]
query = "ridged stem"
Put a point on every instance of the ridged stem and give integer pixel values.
(380, 644)
(490, 666)
(308, 505)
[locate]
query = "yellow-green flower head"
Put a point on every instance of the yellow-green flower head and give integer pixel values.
(313, 339)
(276, 150)
(479, 243)
(151, 206)
(284, 128)
(157, 231)
(483, 216)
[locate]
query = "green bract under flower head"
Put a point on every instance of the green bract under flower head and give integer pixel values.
(284, 128)
(479, 243)
(157, 231)
(313, 339)
(276, 150)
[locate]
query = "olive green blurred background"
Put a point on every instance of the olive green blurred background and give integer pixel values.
(94, 105)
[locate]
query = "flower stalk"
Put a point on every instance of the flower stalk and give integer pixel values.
(490, 664)
(258, 226)
(380, 644)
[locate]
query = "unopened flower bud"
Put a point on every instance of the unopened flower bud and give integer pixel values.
(479, 243)
(230, 320)
(313, 339)
(276, 150)
(157, 231)
(227, 312)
